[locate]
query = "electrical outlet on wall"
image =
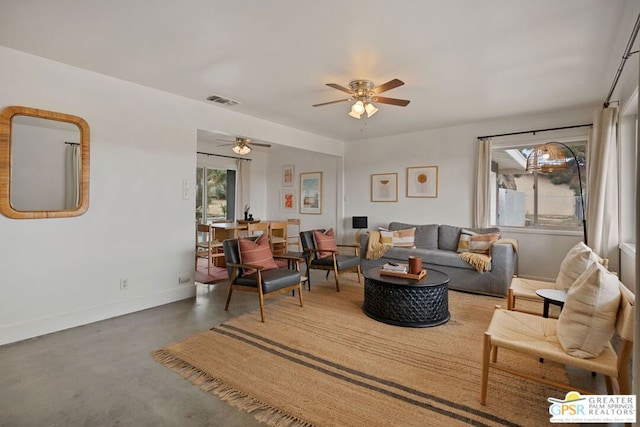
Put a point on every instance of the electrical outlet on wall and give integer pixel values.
(184, 279)
(124, 284)
(185, 189)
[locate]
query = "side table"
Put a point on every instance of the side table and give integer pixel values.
(551, 296)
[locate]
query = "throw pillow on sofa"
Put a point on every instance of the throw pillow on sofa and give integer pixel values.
(465, 239)
(588, 319)
(325, 242)
(256, 253)
(481, 243)
(398, 238)
(574, 264)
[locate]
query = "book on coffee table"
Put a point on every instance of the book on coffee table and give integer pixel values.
(396, 268)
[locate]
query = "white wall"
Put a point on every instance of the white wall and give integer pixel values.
(454, 151)
(60, 273)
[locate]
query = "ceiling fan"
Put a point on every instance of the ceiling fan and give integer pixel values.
(243, 146)
(364, 93)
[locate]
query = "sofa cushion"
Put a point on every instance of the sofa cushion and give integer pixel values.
(399, 238)
(429, 256)
(426, 236)
(588, 319)
(448, 237)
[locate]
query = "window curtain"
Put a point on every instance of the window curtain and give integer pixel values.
(482, 211)
(602, 186)
(243, 188)
(72, 177)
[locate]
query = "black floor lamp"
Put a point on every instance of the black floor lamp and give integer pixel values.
(549, 158)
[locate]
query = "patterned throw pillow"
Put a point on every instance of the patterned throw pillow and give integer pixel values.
(257, 253)
(325, 242)
(482, 243)
(398, 238)
(465, 239)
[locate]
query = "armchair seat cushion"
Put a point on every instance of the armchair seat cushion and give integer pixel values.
(343, 261)
(272, 280)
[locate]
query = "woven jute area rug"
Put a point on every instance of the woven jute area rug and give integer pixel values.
(328, 364)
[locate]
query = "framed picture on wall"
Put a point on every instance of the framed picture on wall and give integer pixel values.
(288, 200)
(384, 187)
(311, 193)
(288, 175)
(422, 181)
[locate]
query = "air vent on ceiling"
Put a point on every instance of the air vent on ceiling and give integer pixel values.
(222, 100)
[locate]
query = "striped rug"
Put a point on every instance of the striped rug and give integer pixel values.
(328, 364)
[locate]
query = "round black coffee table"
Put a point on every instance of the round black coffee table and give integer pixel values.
(406, 302)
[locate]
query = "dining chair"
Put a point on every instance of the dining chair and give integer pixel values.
(257, 228)
(293, 234)
(207, 246)
(278, 237)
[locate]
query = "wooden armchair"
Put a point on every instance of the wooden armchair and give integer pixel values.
(536, 336)
(334, 261)
(256, 278)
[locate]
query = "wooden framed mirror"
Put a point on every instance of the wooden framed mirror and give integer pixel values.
(44, 164)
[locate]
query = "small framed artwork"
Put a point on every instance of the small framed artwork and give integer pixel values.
(422, 181)
(384, 187)
(288, 200)
(311, 193)
(288, 175)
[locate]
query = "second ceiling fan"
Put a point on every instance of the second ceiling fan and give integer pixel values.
(364, 93)
(243, 146)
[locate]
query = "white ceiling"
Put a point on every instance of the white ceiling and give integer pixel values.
(461, 60)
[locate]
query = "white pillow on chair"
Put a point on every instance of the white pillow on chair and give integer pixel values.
(588, 319)
(574, 264)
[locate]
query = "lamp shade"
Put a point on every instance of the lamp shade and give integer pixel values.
(359, 222)
(546, 158)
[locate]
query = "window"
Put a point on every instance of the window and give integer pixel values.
(548, 200)
(217, 188)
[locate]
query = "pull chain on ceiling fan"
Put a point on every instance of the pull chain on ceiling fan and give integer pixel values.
(365, 93)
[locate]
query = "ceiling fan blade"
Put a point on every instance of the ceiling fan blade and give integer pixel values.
(391, 84)
(342, 88)
(259, 144)
(331, 102)
(392, 101)
(224, 140)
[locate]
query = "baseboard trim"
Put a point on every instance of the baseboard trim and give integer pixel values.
(37, 327)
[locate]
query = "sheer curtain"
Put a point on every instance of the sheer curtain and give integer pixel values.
(482, 212)
(243, 188)
(72, 177)
(602, 186)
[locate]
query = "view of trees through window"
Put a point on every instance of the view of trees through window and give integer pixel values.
(538, 199)
(212, 187)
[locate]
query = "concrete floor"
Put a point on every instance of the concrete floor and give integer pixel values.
(103, 375)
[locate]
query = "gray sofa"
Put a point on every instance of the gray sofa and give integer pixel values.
(437, 245)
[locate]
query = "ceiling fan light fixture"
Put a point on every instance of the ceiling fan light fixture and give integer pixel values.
(358, 107)
(370, 109)
(241, 149)
(354, 115)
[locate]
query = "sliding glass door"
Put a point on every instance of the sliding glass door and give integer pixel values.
(215, 197)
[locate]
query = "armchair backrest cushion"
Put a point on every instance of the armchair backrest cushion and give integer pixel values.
(588, 319)
(308, 241)
(574, 264)
(325, 241)
(256, 252)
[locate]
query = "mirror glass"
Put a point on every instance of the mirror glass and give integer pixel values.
(44, 170)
